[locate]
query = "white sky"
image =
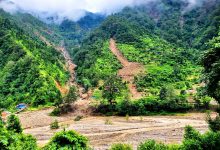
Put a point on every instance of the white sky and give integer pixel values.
(71, 9)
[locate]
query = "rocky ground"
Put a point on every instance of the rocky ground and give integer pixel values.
(104, 131)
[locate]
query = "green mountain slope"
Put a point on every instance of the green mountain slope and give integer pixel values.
(161, 36)
(28, 68)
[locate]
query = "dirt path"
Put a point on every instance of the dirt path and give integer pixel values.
(129, 70)
(168, 129)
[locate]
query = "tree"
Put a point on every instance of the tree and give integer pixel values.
(63, 105)
(112, 88)
(211, 64)
(13, 124)
(71, 96)
(166, 93)
(214, 124)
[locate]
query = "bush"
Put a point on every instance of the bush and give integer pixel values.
(54, 125)
(13, 124)
(214, 124)
(191, 144)
(23, 142)
(108, 121)
(121, 147)
(68, 140)
(62, 109)
(191, 133)
(194, 140)
(78, 118)
(9, 140)
(56, 112)
(152, 145)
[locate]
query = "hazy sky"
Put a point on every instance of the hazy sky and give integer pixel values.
(71, 9)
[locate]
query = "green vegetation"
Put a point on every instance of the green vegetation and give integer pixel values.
(162, 36)
(145, 106)
(68, 140)
(78, 118)
(121, 147)
(11, 136)
(63, 105)
(210, 62)
(13, 124)
(165, 65)
(152, 145)
(161, 42)
(54, 125)
(91, 68)
(28, 69)
(192, 140)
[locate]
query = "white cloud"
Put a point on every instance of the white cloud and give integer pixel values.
(71, 9)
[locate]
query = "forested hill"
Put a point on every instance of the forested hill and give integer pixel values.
(28, 68)
(165, 36)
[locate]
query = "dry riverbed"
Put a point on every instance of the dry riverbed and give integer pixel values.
(167, 129)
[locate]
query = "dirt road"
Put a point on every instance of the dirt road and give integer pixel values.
(167, 129)
(129, 70)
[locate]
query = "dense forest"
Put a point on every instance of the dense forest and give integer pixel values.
(29, 68)
(163, 37)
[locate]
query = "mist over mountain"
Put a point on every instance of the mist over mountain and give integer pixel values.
(58, 10)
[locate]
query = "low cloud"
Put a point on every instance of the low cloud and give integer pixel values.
(71, 9)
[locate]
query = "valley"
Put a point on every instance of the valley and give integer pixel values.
(133, 76)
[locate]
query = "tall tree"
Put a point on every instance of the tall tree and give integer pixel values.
(112, 88)
(211, 64)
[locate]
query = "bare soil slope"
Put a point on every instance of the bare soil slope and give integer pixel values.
(129, 70)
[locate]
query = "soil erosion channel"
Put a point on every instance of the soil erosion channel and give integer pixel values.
(129, 70)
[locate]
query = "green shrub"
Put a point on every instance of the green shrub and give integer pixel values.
(194, 140)
(23, 142)
(78, 118)
(54, 125)
(191, 133)
(13, 124)
(9, 140)
(56, 112)
(152, 145)
(68, 140)
(121, 147)
(62, 109)
(214, 124)
(191, 144)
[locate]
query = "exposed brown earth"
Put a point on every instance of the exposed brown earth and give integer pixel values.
(129, 70)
